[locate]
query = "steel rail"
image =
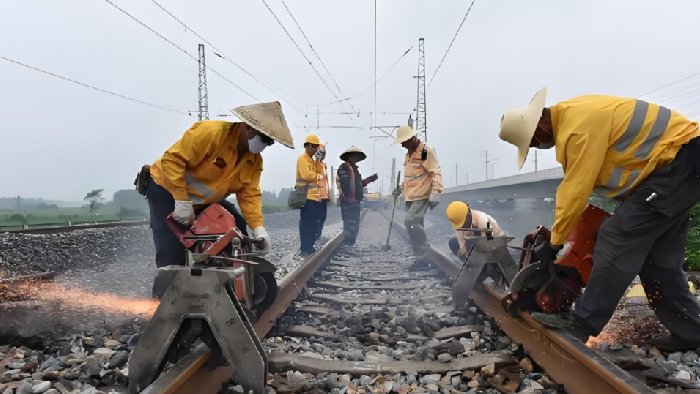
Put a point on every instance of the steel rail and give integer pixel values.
(191, 374)
(66, 229)
(564, 358)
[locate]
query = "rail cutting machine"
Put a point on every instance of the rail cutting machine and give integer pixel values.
(214, 298)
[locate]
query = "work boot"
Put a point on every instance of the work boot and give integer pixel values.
(566, 321)
(348, 250)
(673, 343)
(421, 263)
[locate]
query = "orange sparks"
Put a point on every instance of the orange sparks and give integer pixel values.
(72, 298)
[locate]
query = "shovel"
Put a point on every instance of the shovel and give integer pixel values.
(386, 247)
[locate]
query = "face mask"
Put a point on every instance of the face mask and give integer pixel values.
(320, 155)
(256, 145)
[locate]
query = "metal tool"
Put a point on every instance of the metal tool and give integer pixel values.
(555, 287)
(488, 257)
(213, 298)
(386, 247)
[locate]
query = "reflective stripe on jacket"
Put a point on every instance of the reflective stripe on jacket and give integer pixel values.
(204, 167)
(322, 171)
(421, 177)
(307, 176)
(610, 145)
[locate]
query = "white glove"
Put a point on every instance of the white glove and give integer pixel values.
(183, 213)
(266, 244)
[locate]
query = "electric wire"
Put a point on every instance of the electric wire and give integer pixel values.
(219, 53)
(95, 87)
(179, 48)
(670, 84)
(452, 42)
(325, 83)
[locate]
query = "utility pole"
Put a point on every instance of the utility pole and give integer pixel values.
(488, 161)
(456, 174)
(421, 125)
(392, 181)
(203, 91)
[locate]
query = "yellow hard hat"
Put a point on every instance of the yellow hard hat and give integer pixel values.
(456, 213)
(404, 133)
(312, 139)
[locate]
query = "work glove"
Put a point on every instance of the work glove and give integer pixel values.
(372, 178)
(259, 233)
(546, 252)
(184, 212)
(397, 191)
(433, 201)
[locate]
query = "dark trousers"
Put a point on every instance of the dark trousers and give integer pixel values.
(321, 219)
(415, 212)
(308, 224)
(350, 212)
(169, 250)
(647, 238)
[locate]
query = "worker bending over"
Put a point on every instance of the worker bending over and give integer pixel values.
(350, 190)
(422, 186)
(469, 224)
(211, 161)
(644, 155)
(310, 213)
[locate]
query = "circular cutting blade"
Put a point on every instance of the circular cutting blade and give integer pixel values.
(534, 276)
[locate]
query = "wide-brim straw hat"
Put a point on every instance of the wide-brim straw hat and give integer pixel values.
(404, 133)
(518, 125)
(268, 119)
(350, 150)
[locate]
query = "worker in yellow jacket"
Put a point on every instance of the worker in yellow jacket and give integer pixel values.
(308, 177)
(422, 186)
(211, 161)
(323, 192)
(644, 155)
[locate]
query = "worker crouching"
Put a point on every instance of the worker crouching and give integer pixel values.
(647, 157)
(422, 186)
(469, 224)
(350, 188)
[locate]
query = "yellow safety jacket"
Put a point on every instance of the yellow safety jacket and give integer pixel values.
(307, 176)
(421, 177)
(610, 145)
(322, 171)
(204, 167)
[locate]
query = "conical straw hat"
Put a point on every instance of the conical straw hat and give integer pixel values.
(268, 119)
(352, 149)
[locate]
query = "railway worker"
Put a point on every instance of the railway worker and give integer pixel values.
(322, 171)
(307, 177)
(468, 223)
(211, 161)
(350, 192)
(647, 157)
(422, 186)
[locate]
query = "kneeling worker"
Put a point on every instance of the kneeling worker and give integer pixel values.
(468, 223)
(211, 161)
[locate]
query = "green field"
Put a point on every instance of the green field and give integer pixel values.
(11, 219)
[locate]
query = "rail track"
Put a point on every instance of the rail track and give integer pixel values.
(371, 302)
(65, 229)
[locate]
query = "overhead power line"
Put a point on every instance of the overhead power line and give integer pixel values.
(325, 83)
(94, 87)
(219, 53)
(195, 58)
(669, 84)
(452, 42)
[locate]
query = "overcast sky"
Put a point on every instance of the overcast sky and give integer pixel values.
(61, 140)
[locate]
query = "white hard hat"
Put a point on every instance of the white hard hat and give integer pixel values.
(518, 125)
(404, 133)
